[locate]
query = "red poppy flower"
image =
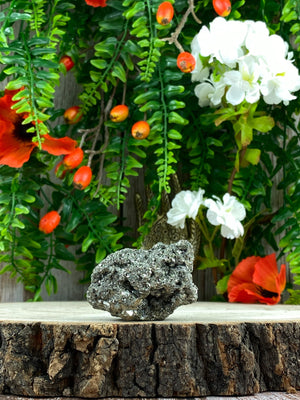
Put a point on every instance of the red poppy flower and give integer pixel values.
(96, 3)
(256, 279)
(16, 144)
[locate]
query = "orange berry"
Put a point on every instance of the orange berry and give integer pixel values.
(186, 62)
(165, 13)
(119, 113)
(82, 177)
(73, 115)
(73, 159)
(222, 7)
(49, 222)
(59, 171)
(140, 130)
(67, 62)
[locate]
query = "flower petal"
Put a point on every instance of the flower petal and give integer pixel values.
(13, 152)
(244, 293)
(247, 293)
(6, 113)
(96, 3)
(176, 218)
(281, 279)
(58, 147)
(243, 272)
(233, 230)
(266, 273)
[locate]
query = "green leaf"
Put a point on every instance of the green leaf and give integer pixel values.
(43, 85)
(100, 255)
(175, 105)
(173, 134)
(222, 284)
(146, 96)
(171, 90)
(175, 118)
(100, 64)
(76, 218)
(62, 253)
(28, 198)
(119, 72)
(88, 241)
(15, 16)
(132, 11)
(16, 223)
(252, 156)
(5, 198)
(262, 124)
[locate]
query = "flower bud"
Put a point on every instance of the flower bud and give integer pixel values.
(73, 159)
(73, 115)
(82, 177)
(186, 62)
(165, 13)
(67, 62)
(140, 130)
(49, 222)
(119, 113)
(222, 7)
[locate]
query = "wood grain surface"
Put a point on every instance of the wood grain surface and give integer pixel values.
(69, 349)
(260, 396)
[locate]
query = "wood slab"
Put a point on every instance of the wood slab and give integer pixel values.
(260, 396)
(53, 349)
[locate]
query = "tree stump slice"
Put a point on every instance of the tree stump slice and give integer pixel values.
(69, 349)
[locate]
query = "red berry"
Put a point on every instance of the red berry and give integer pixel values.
(67, 62)
(186, 62)
(165, 13)
(119, 113)
(49, 222)
(222, 7)
(73, 115)
(140, 130)
(73, 159)
(82, 177)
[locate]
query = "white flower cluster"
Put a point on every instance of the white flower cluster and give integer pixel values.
(242, 61)
(227, 213)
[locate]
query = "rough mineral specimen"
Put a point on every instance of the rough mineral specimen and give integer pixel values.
(144, 284)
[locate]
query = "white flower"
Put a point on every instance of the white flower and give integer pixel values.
(228, 214)
(199, 73)
(185, 204)
(279, 82)
(245, 62)
(243, 84)
(210, 92)
(257, 38)
(223, 41)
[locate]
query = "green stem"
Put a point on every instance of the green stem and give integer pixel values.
(121, 172)
(202, 225)
(151, 41)
(34, 110)
(35, 19)
(165, 133)
(235, 170)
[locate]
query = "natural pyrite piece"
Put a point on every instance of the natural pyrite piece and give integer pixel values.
(144, 284)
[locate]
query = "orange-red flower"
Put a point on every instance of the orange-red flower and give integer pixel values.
(16, 144)
(96, 3)
(256, 279)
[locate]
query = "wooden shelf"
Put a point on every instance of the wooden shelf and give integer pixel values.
(204, 349)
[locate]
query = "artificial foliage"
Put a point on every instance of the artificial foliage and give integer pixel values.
(122, 55)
